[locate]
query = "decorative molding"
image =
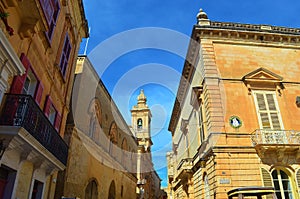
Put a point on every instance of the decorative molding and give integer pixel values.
(196, 96)
(263, 78)
(254, 27)
(250, 32)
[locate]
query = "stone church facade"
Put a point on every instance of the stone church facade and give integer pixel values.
(107, 158)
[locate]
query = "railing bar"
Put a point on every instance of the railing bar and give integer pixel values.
(22, 111)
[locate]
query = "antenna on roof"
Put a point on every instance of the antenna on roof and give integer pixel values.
(87, 42)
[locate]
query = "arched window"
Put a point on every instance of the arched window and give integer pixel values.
(113, 137)
(91, 190)
(282, 184)
(206, 186)
(140, 123)
(112, 190)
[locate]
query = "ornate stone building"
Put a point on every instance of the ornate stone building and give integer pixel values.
(235, 121)
(39, 45)
(107, 158)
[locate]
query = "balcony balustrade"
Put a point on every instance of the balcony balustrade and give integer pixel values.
(184, 169)
(22, 111)
(278, 137)
(274, 146)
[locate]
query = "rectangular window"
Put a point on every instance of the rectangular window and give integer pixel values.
(27, 84)
(267, 110)
(51, 112)
(65, 55)
(51, 10)
(30, 84)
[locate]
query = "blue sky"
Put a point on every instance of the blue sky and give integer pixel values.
(158, 57)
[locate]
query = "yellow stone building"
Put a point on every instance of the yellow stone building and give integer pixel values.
(102, 148)
(107, 158)
(235, 121)
(39, 45)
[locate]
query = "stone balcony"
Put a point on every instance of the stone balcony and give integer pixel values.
(25, 129)
(277, 145)
(184, 169)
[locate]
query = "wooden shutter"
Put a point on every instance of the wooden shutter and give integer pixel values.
(39, 92)
(267, 180)
(266, 177)
(262, 111)
(268, 110)
(57, 121)
(47, 105)
(298, 180)
(19, 81)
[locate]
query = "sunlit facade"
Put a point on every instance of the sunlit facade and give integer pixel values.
(102, 149)
(107, 158)
(235, 121)
(39, 45)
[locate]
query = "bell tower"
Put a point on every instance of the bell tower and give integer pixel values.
(141, 121)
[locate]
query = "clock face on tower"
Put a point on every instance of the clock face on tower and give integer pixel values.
(235, 122)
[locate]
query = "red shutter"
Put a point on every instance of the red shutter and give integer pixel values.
(39, 93)
(18, 81)
(47, 105)
(57, 121)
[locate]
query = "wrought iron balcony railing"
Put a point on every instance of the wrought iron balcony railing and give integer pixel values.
(268, 136)
(22, 110)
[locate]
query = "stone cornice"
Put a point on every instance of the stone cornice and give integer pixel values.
(253, 27)
(186, 78)
(249, 32)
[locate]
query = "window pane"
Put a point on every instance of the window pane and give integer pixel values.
(271, 102)
(275, 121)
(261, 102)
(265, 121)
(52, 114)
(65, 55)
(51, 10)
(276, 183)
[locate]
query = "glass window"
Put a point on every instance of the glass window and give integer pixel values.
(52, 114)
(282, 184)
(30, 84)
(51, 10)
(65, 55)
